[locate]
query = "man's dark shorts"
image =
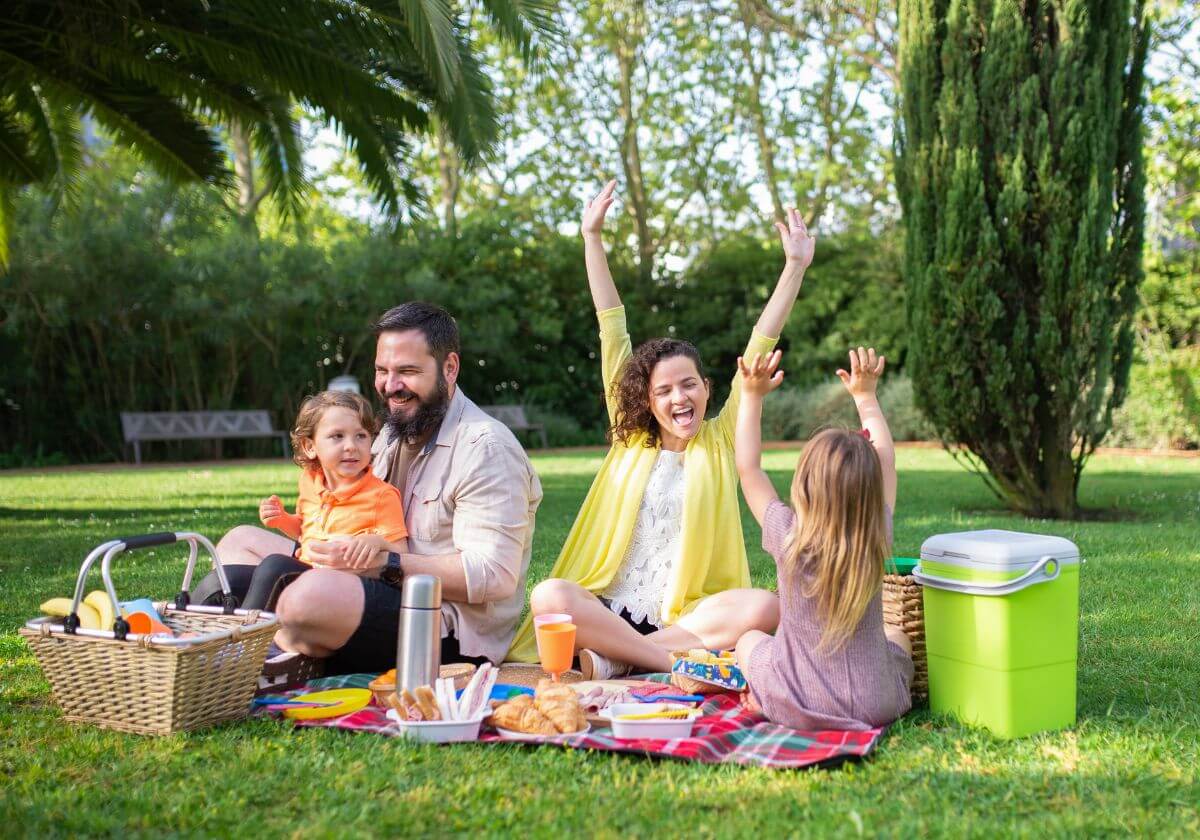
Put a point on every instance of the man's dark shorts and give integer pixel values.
(371, 648)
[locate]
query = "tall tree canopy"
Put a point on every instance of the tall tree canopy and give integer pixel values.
(163, 78)
(1021, 179)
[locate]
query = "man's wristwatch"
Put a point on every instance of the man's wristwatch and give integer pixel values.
(392, 574)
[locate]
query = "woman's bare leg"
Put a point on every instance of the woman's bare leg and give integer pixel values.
(717, 622)
(597, 627)
(720, 620)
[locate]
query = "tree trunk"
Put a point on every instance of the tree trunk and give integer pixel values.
(628, 43)
(449, 173)
(243, 167)
(766, 149)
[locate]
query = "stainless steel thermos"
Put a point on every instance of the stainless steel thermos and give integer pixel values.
(419, 646)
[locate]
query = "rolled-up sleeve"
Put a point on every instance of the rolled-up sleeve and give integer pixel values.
(492, 520)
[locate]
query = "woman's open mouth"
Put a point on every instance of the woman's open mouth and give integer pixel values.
(683, 417)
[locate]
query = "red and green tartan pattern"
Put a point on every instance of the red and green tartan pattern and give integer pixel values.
(726, 733)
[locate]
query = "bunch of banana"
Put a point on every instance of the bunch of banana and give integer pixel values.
(95, 611)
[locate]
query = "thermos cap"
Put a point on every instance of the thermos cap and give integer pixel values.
(423, 592)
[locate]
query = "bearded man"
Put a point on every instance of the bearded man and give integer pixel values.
(470, 496)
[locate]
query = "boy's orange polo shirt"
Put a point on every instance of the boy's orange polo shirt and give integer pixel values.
(368, 506)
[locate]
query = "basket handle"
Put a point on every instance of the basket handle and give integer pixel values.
(112, 548)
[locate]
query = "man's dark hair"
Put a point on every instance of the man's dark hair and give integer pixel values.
(436, 324)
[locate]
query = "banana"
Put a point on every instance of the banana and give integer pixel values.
(98, 600)
(89, 619)
(57, 607)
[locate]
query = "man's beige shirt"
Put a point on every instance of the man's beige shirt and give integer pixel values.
(471, 490)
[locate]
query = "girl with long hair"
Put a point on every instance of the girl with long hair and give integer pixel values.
(832, 664)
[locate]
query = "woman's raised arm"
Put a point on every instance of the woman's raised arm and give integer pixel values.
(604, 291)
(798, 249)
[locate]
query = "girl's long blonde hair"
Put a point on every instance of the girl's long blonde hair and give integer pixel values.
(840, 540)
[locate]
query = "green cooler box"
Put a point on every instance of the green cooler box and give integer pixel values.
(1002, 628)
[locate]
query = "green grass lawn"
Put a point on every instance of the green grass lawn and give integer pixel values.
(1129, 766)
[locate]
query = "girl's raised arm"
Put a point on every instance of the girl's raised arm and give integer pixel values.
(604, 291)
(861, 382)
(759, 377)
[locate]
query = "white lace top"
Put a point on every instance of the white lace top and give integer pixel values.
(641, 583)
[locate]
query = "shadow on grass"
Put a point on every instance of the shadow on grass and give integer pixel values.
(37, 513)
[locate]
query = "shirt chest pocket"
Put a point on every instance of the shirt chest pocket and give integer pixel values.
(426, 515)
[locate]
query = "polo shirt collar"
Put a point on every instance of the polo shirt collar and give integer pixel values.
(342, 493)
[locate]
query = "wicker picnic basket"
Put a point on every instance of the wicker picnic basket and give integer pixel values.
(903, 607)
(154, 684)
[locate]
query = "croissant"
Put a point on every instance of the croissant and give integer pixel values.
(566, 716)
(560, 703)
(522, 717)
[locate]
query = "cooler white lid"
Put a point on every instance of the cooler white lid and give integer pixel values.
(997, 549)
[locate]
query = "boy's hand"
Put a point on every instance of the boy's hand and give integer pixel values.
(593, 213)
(269, 510)
(761, 376)
(798, 246)
(865, 370)
(362, 552)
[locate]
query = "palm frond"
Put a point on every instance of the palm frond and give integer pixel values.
(277, 142)
(20, 162)
(430, 24)
(524, 23)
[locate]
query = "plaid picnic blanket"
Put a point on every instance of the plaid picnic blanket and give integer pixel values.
(726, 733)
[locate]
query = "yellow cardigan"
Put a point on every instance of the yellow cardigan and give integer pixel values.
(712, 556)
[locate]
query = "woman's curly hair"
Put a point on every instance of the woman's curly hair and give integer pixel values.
(631, 390)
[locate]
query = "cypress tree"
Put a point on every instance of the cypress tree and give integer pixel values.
(1019, 167)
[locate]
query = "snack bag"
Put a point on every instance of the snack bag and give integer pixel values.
(713, 667)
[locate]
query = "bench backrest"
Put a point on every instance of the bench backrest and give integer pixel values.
(512, 416)
(194, 425)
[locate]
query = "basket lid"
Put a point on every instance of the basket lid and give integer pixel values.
(899, 565)
(997, 549)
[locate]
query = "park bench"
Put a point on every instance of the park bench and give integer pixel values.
(514, 417)
(139, 426)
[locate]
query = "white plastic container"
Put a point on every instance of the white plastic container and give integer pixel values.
(438, 731)
(665, 728)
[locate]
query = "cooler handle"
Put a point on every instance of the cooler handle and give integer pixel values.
(1005, 587)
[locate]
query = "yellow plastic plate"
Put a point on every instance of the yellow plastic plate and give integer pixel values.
(347, 700)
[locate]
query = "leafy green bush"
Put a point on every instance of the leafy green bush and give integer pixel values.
(796, 413)
(1162, 409)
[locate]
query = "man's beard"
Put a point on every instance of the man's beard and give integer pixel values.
(427, 417)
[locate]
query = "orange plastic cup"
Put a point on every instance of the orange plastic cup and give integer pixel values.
(140, 622)
(556, 647)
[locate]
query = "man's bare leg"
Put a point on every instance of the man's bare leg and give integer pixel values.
(319, 612)
(247, 545)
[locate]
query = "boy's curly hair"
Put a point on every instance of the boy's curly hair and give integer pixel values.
(631, 390)
(314, 407)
